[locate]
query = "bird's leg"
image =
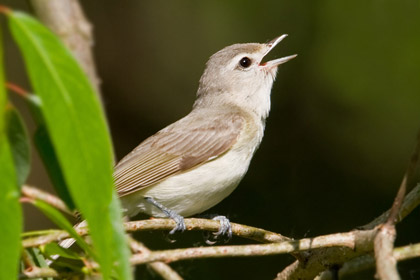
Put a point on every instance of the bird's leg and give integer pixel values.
(179, 220)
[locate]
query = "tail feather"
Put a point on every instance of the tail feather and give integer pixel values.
(67, 243)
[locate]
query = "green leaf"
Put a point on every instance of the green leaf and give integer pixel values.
(76, 123)
(10, 210)
(10, 213)
(36, 257)
(120, 239)
(46, 151)
(49, 158)
(52, 249)
(18, 139)
(61, 221)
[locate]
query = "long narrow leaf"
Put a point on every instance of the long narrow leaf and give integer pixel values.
(59, 219)
(19, 142)
(10, 213)
(37, 259)
(46, 151)
(52, 165)
(10, 210)
(79, 134)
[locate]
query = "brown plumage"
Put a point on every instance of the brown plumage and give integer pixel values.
(173, 150)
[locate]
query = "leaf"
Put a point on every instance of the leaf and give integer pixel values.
(61, 221)
(78, 131)
(10, 213)
(120, 239)
(19, 143)
(52, 165)
(46, 151)
(10, 210)
(52, 249)
(37, 259)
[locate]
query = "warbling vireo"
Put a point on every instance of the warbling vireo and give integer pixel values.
(196, 162)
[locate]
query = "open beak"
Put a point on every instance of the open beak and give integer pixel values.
(278, 61)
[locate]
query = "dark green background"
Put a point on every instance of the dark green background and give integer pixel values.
(344, 116)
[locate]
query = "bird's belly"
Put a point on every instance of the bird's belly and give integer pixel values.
(195, 190)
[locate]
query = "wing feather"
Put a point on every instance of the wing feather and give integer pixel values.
(187, 143)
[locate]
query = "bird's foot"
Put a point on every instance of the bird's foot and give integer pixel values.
(179, 220)
(225, 231)
(180, 223)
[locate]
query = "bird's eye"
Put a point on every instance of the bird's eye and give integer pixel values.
(245, 62)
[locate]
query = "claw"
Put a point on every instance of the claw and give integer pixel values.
(225, 227)
(224, 231)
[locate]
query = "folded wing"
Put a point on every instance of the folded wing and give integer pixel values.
(185, 144)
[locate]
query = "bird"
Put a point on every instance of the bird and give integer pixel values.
(194, 163)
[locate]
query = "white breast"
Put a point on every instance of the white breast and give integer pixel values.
(202, 187)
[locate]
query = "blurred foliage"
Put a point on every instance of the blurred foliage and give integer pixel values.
(344, 113)
(10, 209)
(80, 137)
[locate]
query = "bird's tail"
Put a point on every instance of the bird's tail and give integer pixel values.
(67, 243)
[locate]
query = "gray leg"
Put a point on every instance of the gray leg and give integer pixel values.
(179, 220)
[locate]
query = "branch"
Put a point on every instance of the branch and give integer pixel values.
(368, 261)
(38, 272)
(167, 224)
(67, 20)
(386, 265)
(239, 230)
(35, 193)
(356, 241)
(317, 261)
(411, 201)
(324, 259)
(349, 268)
(350, 240)
(164, 270)
(395, 209)
(308, 268)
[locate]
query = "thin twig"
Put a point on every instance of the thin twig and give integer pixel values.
(395, 209)
(167, 224)
(356, 241)
(27, 261)
(239, 230)
(163, 269)
(35, 193)
(323, 259)
(39, 272)
(319, 260)
(348, 240)
(17, 89)
(411, 201)
(386, 265)
(4, 10)
(368, 261)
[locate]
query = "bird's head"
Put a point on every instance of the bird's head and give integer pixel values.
(237, 75)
